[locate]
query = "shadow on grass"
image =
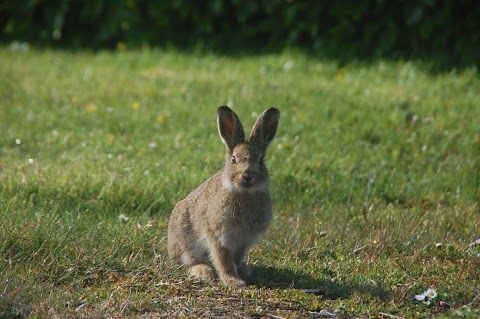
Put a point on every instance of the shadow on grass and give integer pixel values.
(271, 277)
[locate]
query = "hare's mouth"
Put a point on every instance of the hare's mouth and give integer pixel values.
(247, 181)
(246, 184)
(242, 185)
(253, 186)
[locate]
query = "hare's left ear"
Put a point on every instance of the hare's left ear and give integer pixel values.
(229, 128)
(265, 128)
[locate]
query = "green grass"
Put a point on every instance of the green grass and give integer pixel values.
(373, 165)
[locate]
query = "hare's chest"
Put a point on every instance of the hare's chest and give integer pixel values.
(238, 238)
(244, 230)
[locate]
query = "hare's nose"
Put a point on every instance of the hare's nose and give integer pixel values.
(247, 177)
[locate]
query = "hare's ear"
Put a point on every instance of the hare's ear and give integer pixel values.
(229, 127)
(265, 128)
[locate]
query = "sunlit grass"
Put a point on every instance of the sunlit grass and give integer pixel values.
(374, 178)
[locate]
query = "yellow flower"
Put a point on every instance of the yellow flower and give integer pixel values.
(341, 74)
(152, 70)
(110, 138)
(160, 119)
(121, 46)
(90, 107)
(75, 99)
(135, 106)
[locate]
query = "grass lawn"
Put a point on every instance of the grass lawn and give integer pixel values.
(375, 178)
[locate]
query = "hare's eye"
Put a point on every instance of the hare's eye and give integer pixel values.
(234, 160)
(261, 160)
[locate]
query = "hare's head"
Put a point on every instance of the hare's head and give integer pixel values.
(245, 170)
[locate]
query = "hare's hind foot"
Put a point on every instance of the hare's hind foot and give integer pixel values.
(203, 272)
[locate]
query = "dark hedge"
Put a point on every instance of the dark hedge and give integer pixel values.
(446, 29)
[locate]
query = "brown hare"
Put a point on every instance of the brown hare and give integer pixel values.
(212, 229)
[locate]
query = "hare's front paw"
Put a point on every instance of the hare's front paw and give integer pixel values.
(202, 272)
(231, 281)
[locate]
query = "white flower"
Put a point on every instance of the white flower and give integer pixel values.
(427, 295)
(430, 293)
(122, 217)
(420, 297)
(152, 145)
(288, 65)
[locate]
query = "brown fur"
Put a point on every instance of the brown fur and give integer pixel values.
(212, 229)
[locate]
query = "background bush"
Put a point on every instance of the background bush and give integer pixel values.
(448, 30)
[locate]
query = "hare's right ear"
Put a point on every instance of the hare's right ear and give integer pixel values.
(229, 127)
